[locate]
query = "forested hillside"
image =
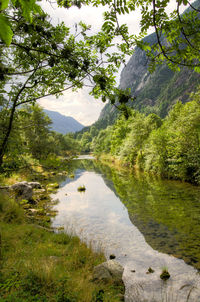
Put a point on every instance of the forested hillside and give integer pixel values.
(32, 141)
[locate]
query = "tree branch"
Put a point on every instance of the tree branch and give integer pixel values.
(160, 43)
(183, 31)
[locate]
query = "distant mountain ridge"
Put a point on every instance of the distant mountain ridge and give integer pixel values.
(63, 124)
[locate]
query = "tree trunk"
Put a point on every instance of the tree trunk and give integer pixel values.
(7, 134)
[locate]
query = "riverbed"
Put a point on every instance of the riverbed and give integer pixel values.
(145, 222)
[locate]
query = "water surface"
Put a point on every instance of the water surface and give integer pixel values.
(144, 222)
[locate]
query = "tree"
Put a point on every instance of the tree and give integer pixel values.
(178, 36)
(36, 130)
(42, 60)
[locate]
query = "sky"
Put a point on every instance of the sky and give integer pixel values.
(80, 105)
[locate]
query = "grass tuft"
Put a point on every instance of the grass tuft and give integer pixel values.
(81, 188)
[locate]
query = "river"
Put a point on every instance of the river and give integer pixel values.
(144, 221)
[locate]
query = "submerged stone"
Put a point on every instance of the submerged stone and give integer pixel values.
(110, 270)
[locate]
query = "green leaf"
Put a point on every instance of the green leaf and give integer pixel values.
(126, 9)
(122, 10)
(5, 30)
(118, 10)
(103, 99)
(197, 69)
(3, 4)
(28, 7)
(96, 78)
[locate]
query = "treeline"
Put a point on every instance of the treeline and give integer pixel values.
(31, 139)
(169, 147)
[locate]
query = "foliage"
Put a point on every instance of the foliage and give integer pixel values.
(169, 147)
(177, 35)
(42, 60)
(35, 124)
(27, 9)
(10, 211)
(32, 143)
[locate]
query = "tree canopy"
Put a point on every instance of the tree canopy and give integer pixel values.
(178, 37)
(38, 59)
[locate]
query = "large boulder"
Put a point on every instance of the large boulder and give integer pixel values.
(24, 189)
(110, 270)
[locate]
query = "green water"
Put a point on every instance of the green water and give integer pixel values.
(166, 212)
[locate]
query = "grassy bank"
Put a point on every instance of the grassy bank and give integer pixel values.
(40, 265)
(115, 162)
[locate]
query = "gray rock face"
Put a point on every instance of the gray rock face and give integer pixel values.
(155, 92)
(110, 270)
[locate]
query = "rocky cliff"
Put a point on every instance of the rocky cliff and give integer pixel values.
(158, 91)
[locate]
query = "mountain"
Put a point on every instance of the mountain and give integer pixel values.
(158, 91)
(155, 92)
(63, 124)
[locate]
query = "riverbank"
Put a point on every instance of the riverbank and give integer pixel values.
(118, 164)
(143, 221)
(38, 264)
(165, 211)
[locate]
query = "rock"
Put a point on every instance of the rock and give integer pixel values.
(53, 185)
(23, 190)
(33, 211)
(110, 270)
(4, 187)
(150, 271)
(54, 258)
(39, 191)
(35, 185)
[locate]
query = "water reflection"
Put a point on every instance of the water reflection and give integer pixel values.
(100, 218)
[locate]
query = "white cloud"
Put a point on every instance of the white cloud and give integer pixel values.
(80, 105)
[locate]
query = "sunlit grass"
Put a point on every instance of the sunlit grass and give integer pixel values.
(37, 265)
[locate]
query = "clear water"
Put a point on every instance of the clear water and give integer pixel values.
(135, 232)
